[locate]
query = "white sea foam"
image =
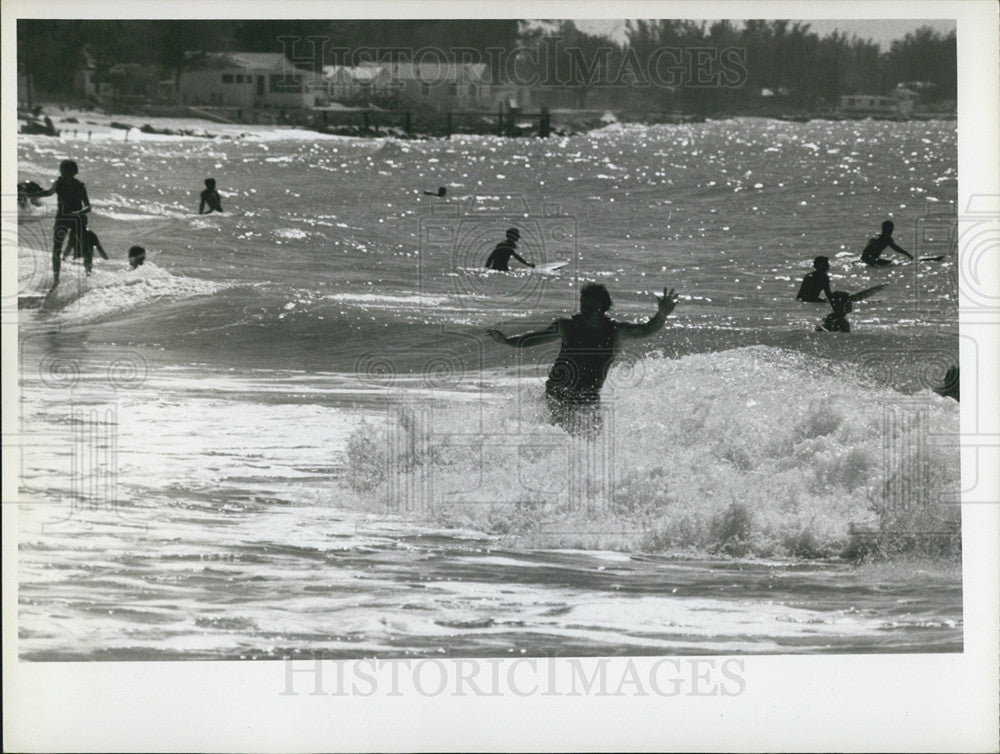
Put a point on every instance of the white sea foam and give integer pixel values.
(112, 288)
(755, 450)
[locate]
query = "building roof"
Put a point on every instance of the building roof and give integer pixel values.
(433, 72)
(250, 61)
(357, 73)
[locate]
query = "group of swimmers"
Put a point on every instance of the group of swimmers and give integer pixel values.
(589, 340)
(72, 208)
(818, 281)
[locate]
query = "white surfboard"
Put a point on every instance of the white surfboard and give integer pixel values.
(550, 267)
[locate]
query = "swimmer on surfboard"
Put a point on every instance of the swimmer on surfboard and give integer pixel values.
(842, 304)
(499, 258)
(873, 251)
(816, 282)
(440, 192)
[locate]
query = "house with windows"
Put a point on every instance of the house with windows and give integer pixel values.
(868, 104)
(341, 82)
(246, 80)
(438, 85)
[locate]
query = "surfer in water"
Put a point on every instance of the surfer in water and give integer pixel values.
(499, 258)
(72, 206)
(440, 192)
(210, 198)
(816, 282)
(589, 342)
(94, 243)
(873, 251)
(836, 321)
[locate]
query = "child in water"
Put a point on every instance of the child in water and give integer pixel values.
(878, 244)
(816, 282)
(590, 340)
(136, 256)
(499, 258)
(210, 198)
(72, 206)
(836, 321)
(91, 240)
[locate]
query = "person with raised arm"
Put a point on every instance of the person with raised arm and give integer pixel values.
(589, 341)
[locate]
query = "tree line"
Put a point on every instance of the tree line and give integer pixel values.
(699, 66)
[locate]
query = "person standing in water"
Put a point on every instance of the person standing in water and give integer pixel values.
(499, 258)
(816, 282)
(590, 340)
(873, 251)
(210, 198)
(72, 206)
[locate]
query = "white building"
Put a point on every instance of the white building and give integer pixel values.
(869, 104)
(246, 80)
(340, 82)
(443, 86)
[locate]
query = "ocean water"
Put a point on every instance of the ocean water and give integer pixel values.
(288, 433)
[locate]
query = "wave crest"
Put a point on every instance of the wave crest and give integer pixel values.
(750, 452)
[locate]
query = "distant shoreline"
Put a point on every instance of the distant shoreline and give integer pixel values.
(75, 123)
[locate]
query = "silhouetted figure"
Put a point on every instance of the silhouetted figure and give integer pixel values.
(91, 243)
(590, 340)
(136, 256)
(880, 243)
(95, 244)
(836, 321)
(72, 206)
(210, 198)
(499, 258)
(440, 192)
(816, 282)
(949, 388)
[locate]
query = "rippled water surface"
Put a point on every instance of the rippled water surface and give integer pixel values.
(287, 433)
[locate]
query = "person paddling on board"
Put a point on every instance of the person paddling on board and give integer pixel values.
(440, 192)
(878, 244)
(589, 342)
(836, 321)
(72, 206)
(816, 282)
(499, 258)
(210, 198)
